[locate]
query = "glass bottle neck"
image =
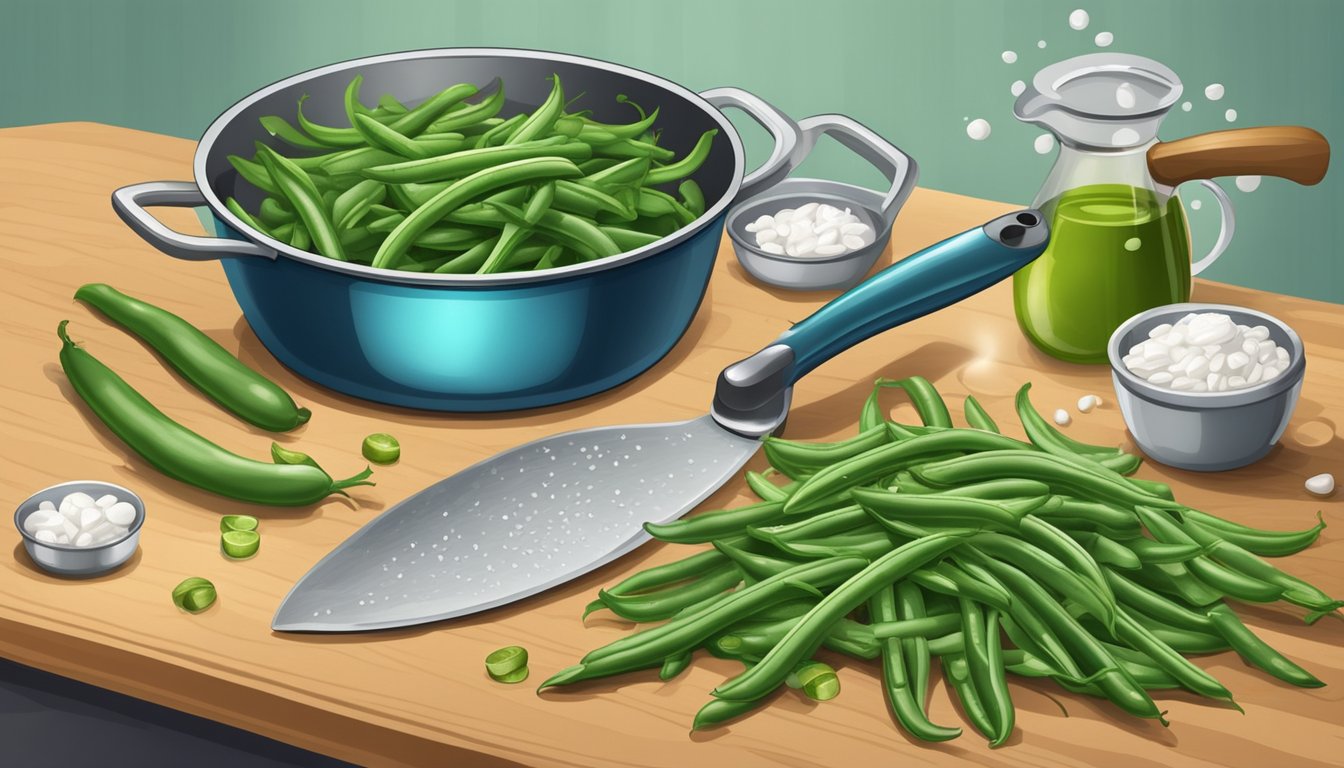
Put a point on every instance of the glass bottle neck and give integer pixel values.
(1078, 167)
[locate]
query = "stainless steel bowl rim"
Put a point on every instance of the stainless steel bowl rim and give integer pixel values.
(132, 496)
(1139, 387)
(217, 206)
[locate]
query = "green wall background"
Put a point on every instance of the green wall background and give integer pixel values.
(911, 70)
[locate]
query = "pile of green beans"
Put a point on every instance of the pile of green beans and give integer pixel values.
(453, 187)
(909, 543)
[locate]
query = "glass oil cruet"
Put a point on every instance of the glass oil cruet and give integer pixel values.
(1119, 239)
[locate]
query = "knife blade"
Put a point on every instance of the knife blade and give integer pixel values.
(541, 514)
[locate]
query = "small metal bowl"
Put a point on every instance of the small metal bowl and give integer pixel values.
(66, 560)
(876, 209)
(1206, 431)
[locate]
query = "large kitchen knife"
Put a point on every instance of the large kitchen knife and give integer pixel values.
(541, 514)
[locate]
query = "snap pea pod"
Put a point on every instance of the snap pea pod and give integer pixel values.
(302, 194)
(804, 638)
(1257, 652)
(686, 165)
(958, 673)
(977, 416)
(1059, 473)
(901, 694)
(476, 185)
(811, 457)
(182, 454)
(1294, 590)
(664, 604)
(649, 647)
(928, 403)
(199, 359)
(938, 511)
(1258, 541)
(886, 459)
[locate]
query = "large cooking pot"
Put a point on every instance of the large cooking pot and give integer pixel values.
(465, 342)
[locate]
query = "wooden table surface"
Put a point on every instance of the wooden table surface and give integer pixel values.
(420, 696)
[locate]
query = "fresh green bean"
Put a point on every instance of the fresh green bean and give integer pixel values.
(816, 526)
(466, 162)
(462, 191)
(1067, 551)
(997, 697)
(299, 190)
(692, 197)
(815, 456)
(720, 710)
(754, 565)
(1262, 542)
(674, 665)
(1076, 514)
(183, 454)
(1158, 552)
(708, 526)
(664, 604)
(473, 115)
(1257, 652)
(573, 197)
(948, 579)
(539, 122)
(886, 459)
(902, 696)
(936, 510)
(1106, 551)
(929, 626)
(469, 260)
(957, 670)
(764, 489)
(1176, 579)
(928, 403)
(429, 112)
(1191, 677)
(1096, 482)
(978, 417)
(1229, 582)
(352, 204)
(254, 173)
(281, 129)
(686, 165)
(237, 209)
(199, 359)
(1044, 436)
(388, 139)
(1144, 601)
(273, 212)
(804, 638)
(1046, 569)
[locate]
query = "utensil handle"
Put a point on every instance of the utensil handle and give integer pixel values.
(752, 396)
(782, 129)
(130, 204)
(1226, 228)
(1287, 151)
(899, 168)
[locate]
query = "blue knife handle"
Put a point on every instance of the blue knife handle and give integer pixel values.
(752, 395)
(917, 285)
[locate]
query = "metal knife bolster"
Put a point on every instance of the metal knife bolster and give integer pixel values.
(752, 396)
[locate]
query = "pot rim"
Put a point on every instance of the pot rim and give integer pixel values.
(226, 118)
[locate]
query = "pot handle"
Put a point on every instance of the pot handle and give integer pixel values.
(782, 129)
(899, 168)
(130, 203)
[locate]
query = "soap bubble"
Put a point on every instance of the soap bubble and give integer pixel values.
(1017, 87)
(1104, 39)
(978, 129)
(1040, 43)
(1214, 92)
(1079, 19)
(1009, 57)
(1231, 115)
(1186, 106)
(1196, 204)
(1044, 143)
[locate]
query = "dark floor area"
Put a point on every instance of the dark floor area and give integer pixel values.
(48, 721)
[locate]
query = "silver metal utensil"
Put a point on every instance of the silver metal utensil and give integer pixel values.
(541, 514)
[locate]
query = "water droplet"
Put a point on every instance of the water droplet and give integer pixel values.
(1133, 244)
(1214, 91)
(1040, 43)
(1103, 39)
(1017, 87)
(1124, 137)
(1231, 115)
(1079, 19)
(1196, 204)
(1187, 106)
(1009, 57)
(1044, 143)
(1248, 183)
(978, 129)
